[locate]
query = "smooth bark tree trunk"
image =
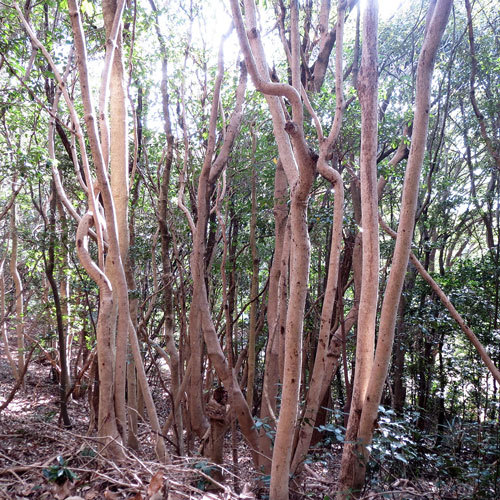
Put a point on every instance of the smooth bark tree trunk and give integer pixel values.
(254, 287)
(117, 156)
(299, 164)
(166, 244)
(18, 289)
(201, 322)
(3, 325)
(436, 22)
(114, 262)
(64, 380)
(271, 367)
(367, 91)
(319, 373)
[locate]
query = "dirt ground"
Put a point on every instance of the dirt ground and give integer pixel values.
(35, 450)
(39, 459)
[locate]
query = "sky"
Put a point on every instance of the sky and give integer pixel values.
(219, 19)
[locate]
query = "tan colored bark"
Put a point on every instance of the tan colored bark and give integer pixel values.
(314, 396)
(213, 443)
(18, 289)
(255, 60)
(132, 394)
(254, 286)
(115, 152)
(284, 286)
(299, 261)
(106, 420)
(228, 309)
(3, 321)
(271, 368)
(437, 20)
(96, 213)
(201, 322)
(327, 41)
(367, 91)
(113, 266)
(299, 165)
(175, 371)
(199, 422)
(299, 275)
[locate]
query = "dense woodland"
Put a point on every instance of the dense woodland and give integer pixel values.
(254, 241)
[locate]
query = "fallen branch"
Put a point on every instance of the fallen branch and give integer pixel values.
(19, 382)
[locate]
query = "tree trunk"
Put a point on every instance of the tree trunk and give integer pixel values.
(271, 367)
(349, 482)
(64, 382)
(315, 393)
(254, 287)
(437, 20)
(18, 288)
(3, 321)
(117, 156)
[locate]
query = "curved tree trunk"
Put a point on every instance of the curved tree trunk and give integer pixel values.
(201, 322)
(434, 33)
(117, 156)
(315, 393)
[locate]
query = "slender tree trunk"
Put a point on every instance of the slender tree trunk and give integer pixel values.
(299, 277)
(99, 154)
(117, 155)
(201, 322)
(18, 288)
(198, 421)
(254, 287)
(315, 393)
(64, 381)
(367, 90)
(228, 305)
(437, 20)
(3, 323)
(299, 261)
(271, 367)
(166, 243)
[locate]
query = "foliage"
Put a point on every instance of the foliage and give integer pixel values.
(59, 473)
(449, 402)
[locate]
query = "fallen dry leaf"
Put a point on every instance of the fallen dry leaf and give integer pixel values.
(109, 495)
(62, 491)
(155, 485)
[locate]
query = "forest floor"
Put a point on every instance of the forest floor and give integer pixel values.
(34, 445)
(35, 450)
